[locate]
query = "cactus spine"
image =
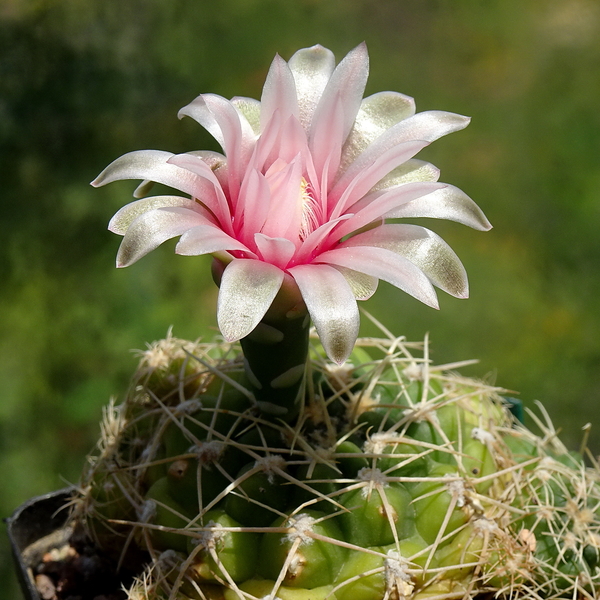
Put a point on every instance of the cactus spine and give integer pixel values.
(396, 479)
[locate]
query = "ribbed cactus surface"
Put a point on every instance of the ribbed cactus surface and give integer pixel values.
(398, 479)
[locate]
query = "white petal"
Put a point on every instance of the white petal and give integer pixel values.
(152, 228)
(332, 307)
(377, 114)
(205, 239)
(247, 290)
(312, 68)
(446, 203)
(151, 165)
(124, 217)
(199, 111)
(423, 248)
(387, 265)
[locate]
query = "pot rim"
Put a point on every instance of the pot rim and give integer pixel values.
(35, 519)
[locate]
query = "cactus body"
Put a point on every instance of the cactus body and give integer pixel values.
(396, 480)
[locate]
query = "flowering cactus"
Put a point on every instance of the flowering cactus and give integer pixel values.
(276, 472)
(296, 211)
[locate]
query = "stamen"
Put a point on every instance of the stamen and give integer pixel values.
(310, 210)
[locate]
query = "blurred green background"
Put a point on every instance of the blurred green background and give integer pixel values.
(84, 81)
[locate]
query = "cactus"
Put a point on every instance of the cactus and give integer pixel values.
(398, 479)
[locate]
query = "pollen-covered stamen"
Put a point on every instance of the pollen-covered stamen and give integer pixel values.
(310, 210)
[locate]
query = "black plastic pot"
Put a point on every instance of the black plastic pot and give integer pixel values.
(33, 529)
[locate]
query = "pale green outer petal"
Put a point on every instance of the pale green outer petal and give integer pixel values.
(363, 286)
(247, 290)
(411, 171)
(152, 228)
(332, 307)
(123, 218)
(249, 108)
(144, 188)
(312, 68)
(446, 203)
(377, 113)
(423, 248)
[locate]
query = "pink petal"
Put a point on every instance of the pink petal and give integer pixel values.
(387, 265)
(251, 215)
(124, 217)
(332, 307)
(206, 239)
(327, 140)
(264, 152)
(215, 201)
(220, 117)
(292, 140)
(284, 215)
(424, 126)
(237, 143)
(277, 251)
(370, 175)
(247, 290)
(154, 227)
(320, 236)
(279, 93)
(347, 82)
(384, 203)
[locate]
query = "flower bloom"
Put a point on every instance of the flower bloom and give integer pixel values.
(304, 191)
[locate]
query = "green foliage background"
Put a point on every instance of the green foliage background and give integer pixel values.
(84, 81)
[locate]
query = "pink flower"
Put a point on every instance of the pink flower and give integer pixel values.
(303, 192)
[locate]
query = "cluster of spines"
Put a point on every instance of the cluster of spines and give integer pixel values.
(400, 480)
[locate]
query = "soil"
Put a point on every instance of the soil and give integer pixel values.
(68, 566)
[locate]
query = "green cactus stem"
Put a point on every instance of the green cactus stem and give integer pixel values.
(276, 353)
